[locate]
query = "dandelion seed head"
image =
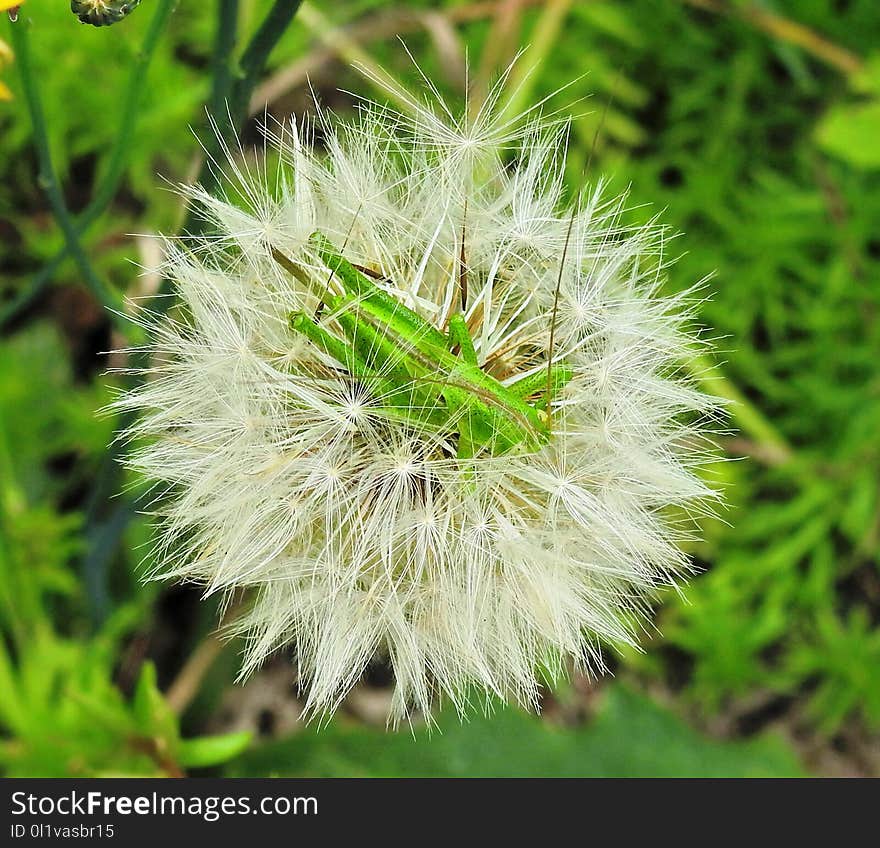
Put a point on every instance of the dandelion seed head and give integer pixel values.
(360, 527)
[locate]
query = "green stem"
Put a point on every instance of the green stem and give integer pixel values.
(117, 160)
(48, 179)
(255, 56)
(237, 95)
(224, 45)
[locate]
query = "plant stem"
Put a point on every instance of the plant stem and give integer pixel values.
(224, 45)
(396, 21)
(255, 56)
(186, 685)
(47, 178)
(237, 96)
(499, 49)
(116, 160)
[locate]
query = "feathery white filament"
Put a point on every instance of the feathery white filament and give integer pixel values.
(362, 534)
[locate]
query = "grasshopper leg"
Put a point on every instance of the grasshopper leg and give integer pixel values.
(459, 337)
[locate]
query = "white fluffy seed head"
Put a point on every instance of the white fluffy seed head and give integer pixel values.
(359, 534)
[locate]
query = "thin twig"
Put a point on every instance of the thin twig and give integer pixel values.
(767, 454)
(186, 685)
(376, 27)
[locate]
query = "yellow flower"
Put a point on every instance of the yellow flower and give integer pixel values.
(5, 59)
(6, 55)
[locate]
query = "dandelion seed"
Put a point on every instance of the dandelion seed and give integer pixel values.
(355, 417)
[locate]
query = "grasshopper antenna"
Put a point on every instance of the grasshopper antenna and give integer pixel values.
(584, 173)
(462, 262)
(357, 213)
(290, 266)
(462, 266)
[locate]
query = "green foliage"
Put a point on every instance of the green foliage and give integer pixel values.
(65, 717)
(850, 130)
(62, 711)
(764, 156)
(735, 157)
(44, 414)
(630, 737)
(93, 76)
(841, 656)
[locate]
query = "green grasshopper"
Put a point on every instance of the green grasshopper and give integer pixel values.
(419, 375)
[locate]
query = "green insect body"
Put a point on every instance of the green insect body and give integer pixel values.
(413, 368)
(102, 12)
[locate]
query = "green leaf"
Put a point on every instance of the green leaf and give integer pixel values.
(13, 712)
(630, 737)
(867, 79)
(851, 132)
(154, 716)
(212, 750)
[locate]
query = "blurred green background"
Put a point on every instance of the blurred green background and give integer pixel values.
(754, 127)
